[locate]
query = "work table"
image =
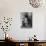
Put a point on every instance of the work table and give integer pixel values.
(24, 42)
(42, 41)
(30, 41)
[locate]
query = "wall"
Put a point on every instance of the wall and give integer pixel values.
(13, 8)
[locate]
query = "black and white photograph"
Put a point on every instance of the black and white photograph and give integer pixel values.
(26, 18)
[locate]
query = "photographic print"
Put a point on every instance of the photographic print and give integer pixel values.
(26, 18)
